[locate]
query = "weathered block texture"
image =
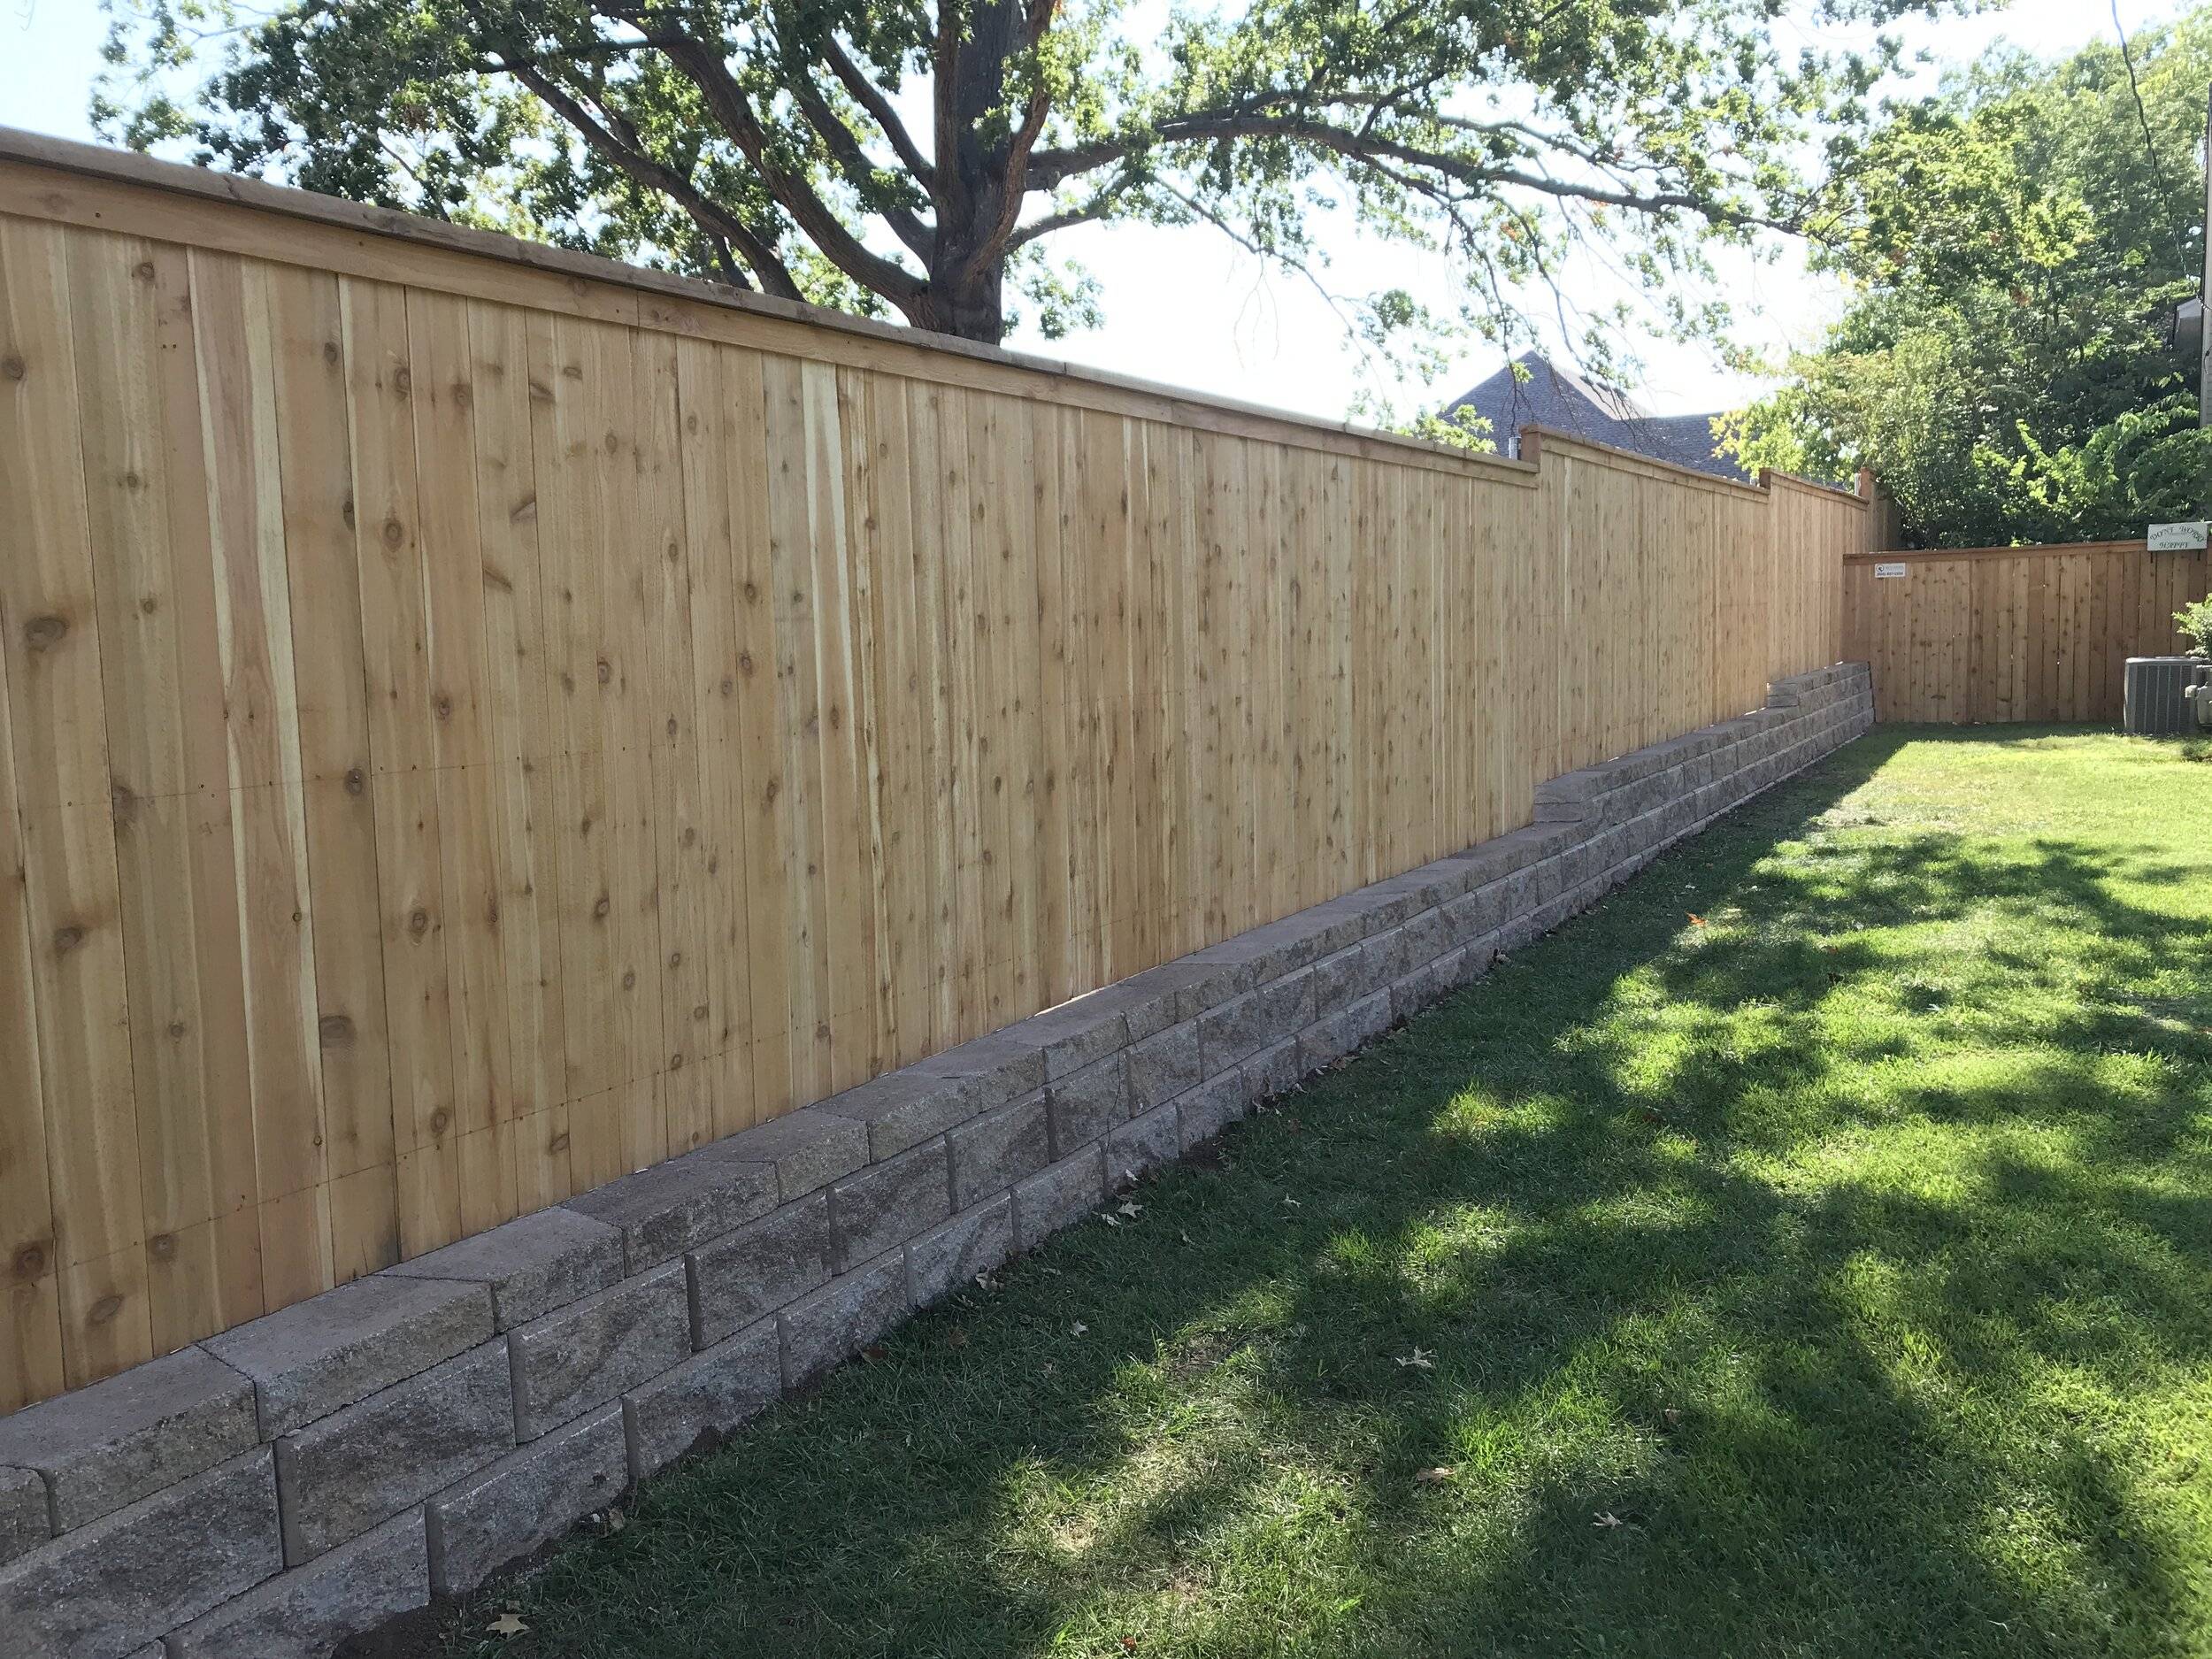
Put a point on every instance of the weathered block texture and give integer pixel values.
(708, 1395)
(455, 1413)
(751, 1272)
(889, 1204)
(25, 1523)
(531, 1265)
(305, 1614)
(136, 1575)
(837, 1321)
(663, 1211)
(342, 1345)
(343, 1474)
(1060, 1197)
(586, 1353)
(525, 1500)
(111, 1444)
(947, 1257)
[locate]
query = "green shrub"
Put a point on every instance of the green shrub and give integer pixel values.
(2194, 621)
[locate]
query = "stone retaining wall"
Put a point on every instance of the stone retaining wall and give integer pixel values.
(276, 1487)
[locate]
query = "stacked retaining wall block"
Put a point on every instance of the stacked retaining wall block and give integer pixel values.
(315, 1472)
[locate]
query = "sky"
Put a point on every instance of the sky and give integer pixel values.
(1187, 307)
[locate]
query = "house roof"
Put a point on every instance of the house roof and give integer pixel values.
(1559, 398)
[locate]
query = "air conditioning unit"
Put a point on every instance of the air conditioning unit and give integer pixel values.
(2158, 703)
(2199, 695)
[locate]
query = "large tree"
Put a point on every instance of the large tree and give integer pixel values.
(911, 155)
(2020, 246)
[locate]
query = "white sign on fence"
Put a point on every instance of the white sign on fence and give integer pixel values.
(1897, 569)
(2187, 537)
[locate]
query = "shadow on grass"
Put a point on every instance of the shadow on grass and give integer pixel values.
(1776, 1286)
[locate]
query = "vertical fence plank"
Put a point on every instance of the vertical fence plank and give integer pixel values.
(455, 750)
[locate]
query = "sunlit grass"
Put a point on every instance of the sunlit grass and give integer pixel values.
(1830, 1274)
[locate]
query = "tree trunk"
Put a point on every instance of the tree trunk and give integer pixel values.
(973, 310)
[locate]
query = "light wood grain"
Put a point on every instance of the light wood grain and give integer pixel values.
(1983, 635)
(471, 728)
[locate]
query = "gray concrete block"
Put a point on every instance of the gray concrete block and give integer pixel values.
(900, 1110)
(1078, 1033)
(1084, 1105)
(1275, 1070)
(1001, 1066)
(945, 1257)
(1061, 1196)
(1340, 978)
(886, 1204)
(587, 1353)
(1389, 957)
(677, 1206)
(1425, 936)
(308, 1360)
(1175, 991)
(1426, 985)
(130, 1577)
(531, 1264)
(836, 1322)
(1391, 903)
(1475, 913)
(1164, 1065)
(1332, 1038)
(744, 1276)
(1548, 882)
(308, 1612)
(525, 1500)
(1289, 943)
(1491, 861)
(1236, 1030)
(111, 1444)
(1143, 1144)
(356, 1468)
(808, 1149)
(24, 1521)
(708, 1395)
(997, 1150)
(1206, 1111)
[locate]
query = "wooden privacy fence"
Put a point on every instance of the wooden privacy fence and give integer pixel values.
(1987, 634)
(477, 720)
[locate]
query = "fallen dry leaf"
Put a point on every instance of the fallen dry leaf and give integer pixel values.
(1078, 1328)
(1132, 1211)
(875, 1354)
(1435, 1477)
(507, 1624)
(1695, 919)
(1420, 1359)
(617, 1520)
(1673, 1415)
(958, 1337)
(1606, 1517)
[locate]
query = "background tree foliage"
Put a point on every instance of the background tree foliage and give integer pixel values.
(2019, 243)
(912, 156)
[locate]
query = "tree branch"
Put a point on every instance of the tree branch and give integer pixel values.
(717, 221)
(870, 97)
(844, 147)
(839, 245)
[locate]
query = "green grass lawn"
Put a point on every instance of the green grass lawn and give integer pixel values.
(1809, 1251)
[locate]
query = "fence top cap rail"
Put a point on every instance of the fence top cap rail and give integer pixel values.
(129, 168)
(2027, 550)
(1535, 438)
